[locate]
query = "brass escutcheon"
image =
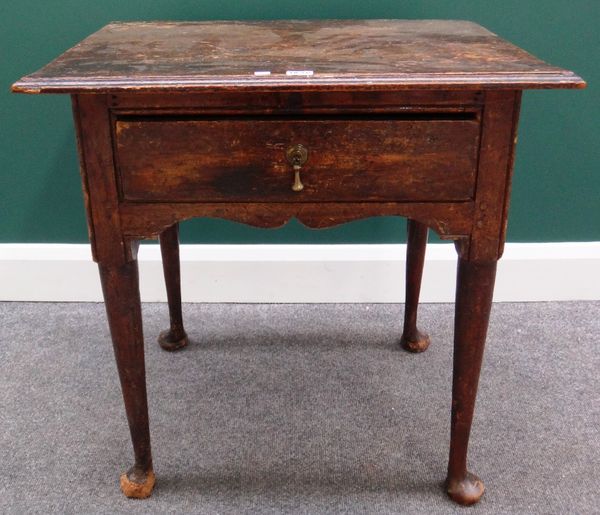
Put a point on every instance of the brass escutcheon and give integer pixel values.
(297, 156)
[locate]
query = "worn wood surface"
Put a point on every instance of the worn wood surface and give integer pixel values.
(168, 56)
(94, 135)
(143, 220)
(391, 158)
(179, 126)
(498, 141)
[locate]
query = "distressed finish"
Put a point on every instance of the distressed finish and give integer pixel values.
(161, 159)
(409, 118)
(355, 54)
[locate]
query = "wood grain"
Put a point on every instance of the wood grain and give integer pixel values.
(145, 220)
(402, 158)
(366, 54)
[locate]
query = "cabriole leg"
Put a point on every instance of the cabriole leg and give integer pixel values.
(412, 339)
(474, 292)
(175, 337)
(120, 285)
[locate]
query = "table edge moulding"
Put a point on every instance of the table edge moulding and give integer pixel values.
(325, 121)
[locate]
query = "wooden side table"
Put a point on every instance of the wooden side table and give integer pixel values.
(324, 121)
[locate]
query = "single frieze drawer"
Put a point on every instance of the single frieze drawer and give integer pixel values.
(289, 159)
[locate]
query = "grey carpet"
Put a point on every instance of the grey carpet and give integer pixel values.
(299, 409)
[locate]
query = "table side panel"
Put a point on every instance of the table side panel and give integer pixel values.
(498, 141)
(93, 122)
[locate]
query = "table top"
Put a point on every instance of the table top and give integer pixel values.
(311, 54)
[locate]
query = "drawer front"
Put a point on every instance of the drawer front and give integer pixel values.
(424, 158)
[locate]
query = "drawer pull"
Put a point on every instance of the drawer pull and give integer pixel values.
(297, 156)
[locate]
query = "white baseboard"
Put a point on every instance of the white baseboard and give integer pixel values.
(301, 273)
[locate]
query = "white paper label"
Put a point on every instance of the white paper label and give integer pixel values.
(261, 73)
(300, 73)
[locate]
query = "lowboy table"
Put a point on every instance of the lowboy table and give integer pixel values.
(324, 121)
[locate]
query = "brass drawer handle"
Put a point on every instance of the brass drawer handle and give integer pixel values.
(297, 156)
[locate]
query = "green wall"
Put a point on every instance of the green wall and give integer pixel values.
(556, 194)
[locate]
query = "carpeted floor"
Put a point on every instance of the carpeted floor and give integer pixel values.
(299, 409)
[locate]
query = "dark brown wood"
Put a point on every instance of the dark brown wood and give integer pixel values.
(120, 285)
(412, 339)
(498, 140)
(350, 54)
(301, 100)
(403, 118)
(449, 220)
(175, 337)
(83, 173)
(474, 292)
(95, 142)
(244, 159)
(510, 161)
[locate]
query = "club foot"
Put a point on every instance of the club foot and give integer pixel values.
(465, 491)
(136, 484)
(170, 342)
(416, 342)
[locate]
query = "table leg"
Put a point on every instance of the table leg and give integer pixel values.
(175, 337)
(474, 291)
(412, 339)
(120, 285)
